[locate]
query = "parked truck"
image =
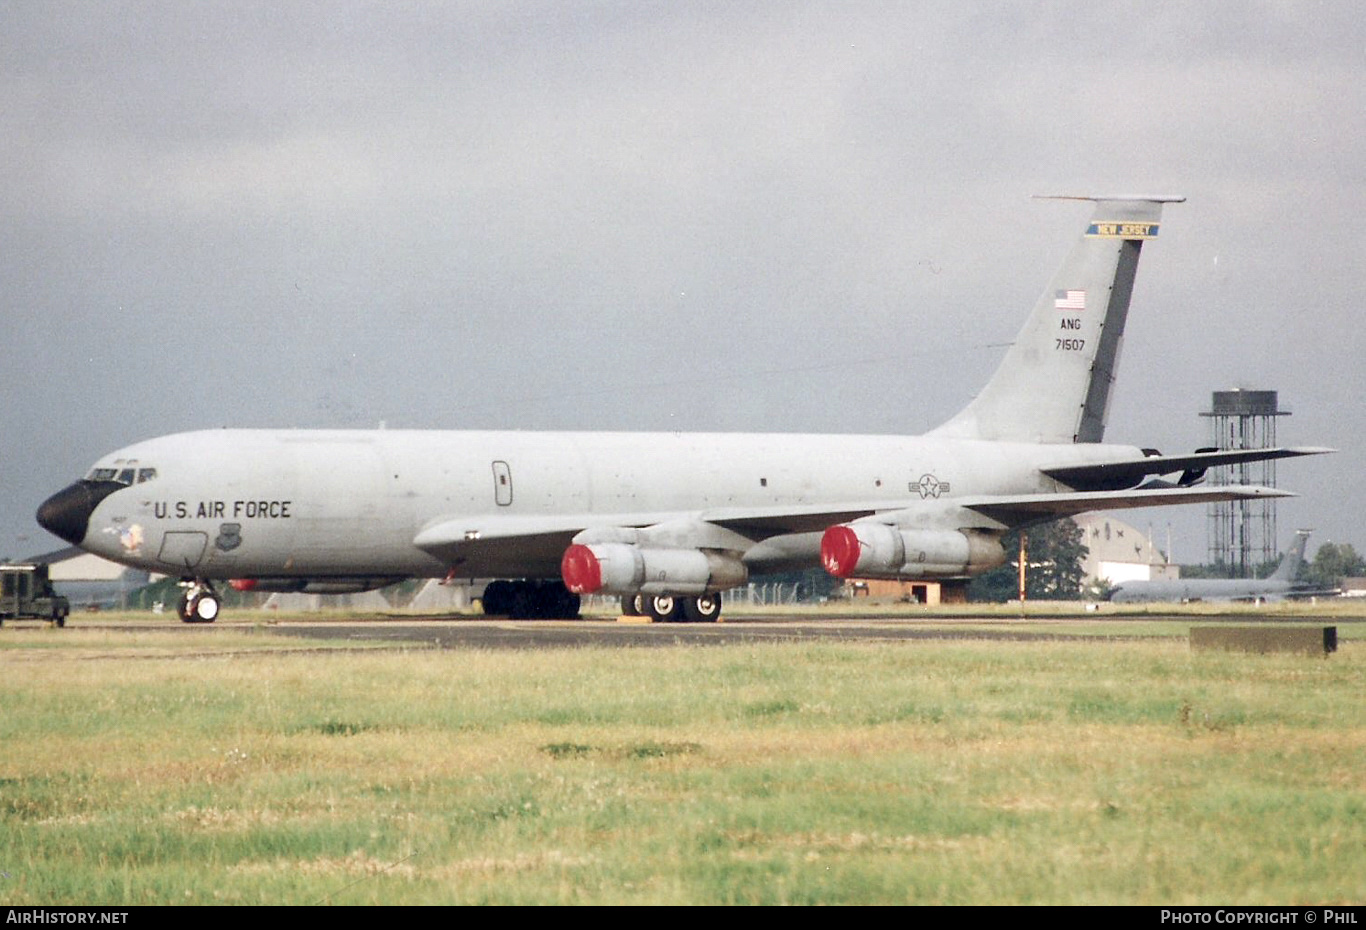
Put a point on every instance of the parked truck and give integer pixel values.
(26, 592)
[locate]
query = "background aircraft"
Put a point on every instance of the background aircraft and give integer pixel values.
(667, 521)
(1277, 586)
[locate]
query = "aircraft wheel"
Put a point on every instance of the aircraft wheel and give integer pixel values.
(182, 609)
(552, 601)
(523, 603)
(664, 609)
(631, 606)
(569, 604)
(497, 598)
(203, 607)
(704, 609)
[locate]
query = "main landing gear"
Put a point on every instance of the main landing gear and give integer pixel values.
(530, 600)
(664, 609)
(199, 603)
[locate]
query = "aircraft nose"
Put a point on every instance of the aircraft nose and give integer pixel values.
(67, 513)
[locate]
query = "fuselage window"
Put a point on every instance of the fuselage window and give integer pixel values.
(126, 476)
(104, 474)
(146, 474)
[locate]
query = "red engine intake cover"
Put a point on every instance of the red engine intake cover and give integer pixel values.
(581, 570)
(840, 551)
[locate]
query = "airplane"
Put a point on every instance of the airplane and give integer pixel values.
(1277, 586)
(665, 521)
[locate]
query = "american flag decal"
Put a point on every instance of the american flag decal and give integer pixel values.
(1069, 300)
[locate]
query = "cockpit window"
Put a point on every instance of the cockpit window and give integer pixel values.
(122, 475)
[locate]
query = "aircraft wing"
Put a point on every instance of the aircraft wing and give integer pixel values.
(1297, 593)
(450, 536)
(57, 555)
(491, 539)
(1013, 509)
(762, 522)
(499, 545)
(1128, 473)
(755, 522)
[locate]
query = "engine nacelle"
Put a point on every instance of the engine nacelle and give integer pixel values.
(876, 550)
(621, 568)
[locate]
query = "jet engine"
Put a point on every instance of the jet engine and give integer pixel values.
(876, 550)
(625, 569)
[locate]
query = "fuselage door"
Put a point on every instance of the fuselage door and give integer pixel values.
(502, 484)
(183, 549)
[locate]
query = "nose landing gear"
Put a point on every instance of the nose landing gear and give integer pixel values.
(199, 603)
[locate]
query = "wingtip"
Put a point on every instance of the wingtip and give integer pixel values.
(1252, 491)
(1110, 198)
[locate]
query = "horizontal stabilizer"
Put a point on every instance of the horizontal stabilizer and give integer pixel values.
(1013, 509)
(1126, 474)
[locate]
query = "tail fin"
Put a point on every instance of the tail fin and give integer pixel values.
(1290, 565)
(1054, 383)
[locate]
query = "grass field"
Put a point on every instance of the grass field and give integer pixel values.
(231, 766)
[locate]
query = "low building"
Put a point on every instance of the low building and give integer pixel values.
(930, 593)
(1119, 552)
(92, 583)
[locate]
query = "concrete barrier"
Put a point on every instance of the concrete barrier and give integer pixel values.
(1311, 640)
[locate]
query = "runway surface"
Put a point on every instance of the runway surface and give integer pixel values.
(533, 634)
(447, 632)
(493, 634)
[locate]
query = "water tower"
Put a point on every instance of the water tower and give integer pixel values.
(1242, 533)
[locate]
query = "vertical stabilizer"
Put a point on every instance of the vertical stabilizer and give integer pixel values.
(1290, 565)
(1054, 383)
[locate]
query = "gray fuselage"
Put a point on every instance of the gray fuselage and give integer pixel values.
(310, 503)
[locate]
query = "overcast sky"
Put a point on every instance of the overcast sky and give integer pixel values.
(630, 215)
